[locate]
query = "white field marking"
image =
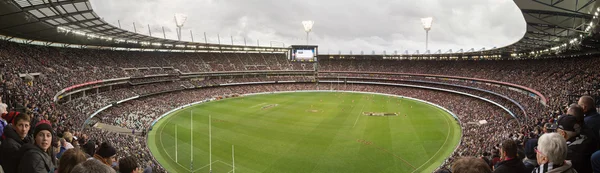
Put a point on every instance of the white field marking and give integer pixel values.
(233, 158)
(161, 142)
(205, 165)
(359, 114)
(448, 135)
(258, 105)
(225, 163)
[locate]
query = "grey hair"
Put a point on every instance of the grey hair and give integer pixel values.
(553, 146)
(92, 166)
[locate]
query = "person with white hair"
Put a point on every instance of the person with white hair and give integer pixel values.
(551, 153)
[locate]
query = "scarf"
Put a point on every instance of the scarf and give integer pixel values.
(545, 167)
(99, 158)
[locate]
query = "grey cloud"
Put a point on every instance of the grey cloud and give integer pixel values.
(339, 24)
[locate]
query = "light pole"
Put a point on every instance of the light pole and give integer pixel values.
(179, 21)
(427, 26)
(308, 24)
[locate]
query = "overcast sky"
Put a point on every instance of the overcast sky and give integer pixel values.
(340, 25)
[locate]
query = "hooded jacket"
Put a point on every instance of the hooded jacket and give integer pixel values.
(10, 148)
(35, 160)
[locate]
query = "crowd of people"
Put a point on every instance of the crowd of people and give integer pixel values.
(32, 75)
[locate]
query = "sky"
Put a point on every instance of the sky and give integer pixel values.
(339, 25)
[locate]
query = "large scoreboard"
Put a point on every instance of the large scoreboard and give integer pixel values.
(303, 53)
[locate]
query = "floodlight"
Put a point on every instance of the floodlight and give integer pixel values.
(427, 26)
(427, 22)
(179, 21)
(308, 24)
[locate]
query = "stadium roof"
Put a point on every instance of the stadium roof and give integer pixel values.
(552, 26)
(75, 22)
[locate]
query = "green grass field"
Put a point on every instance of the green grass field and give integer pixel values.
(306, 132)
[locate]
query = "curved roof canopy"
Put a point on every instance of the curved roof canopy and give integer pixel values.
(75, 22)
(552, 26)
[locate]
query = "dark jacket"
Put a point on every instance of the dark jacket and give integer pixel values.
(530, 164)
(592, 121)
(35, 160)
(580, 150)
(510, 166)
(10, 148)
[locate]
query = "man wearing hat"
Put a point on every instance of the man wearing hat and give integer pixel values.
(106, 154)
(578, 146)
(37, 157)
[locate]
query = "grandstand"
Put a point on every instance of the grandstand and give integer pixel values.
(61, 62)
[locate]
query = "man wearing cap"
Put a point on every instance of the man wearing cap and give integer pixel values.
(578, 146)
(37, 157)
(530, 160)
(106, 154)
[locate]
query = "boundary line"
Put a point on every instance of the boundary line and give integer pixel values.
(440, 149)
(345, 91)
(165, 150)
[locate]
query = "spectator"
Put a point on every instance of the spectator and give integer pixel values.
(68, 139)
(70, 159)
(530, 161)
(129, 165)
(62, 149)
(578, 146)
(592, 118)
(106, 154)
(15, 137)
(3, 123)
(37, 156)
(596, 161)
(437, 171)
(470, 165)
(576, 111)
(509, 163)
(551, 155)
(92, 166)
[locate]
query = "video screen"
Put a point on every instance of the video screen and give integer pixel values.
(303, 53)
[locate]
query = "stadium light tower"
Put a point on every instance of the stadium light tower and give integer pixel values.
(308, 24)
(179, 21)
(427, 26)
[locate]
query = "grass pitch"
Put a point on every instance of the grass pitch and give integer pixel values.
(306, 132)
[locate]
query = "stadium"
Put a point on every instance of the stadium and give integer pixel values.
(80, 94)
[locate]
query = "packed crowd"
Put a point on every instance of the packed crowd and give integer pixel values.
(555, 78)
(46, 70)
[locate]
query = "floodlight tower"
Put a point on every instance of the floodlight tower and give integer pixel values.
(308, 24)
(179, 21)
(427, 26)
